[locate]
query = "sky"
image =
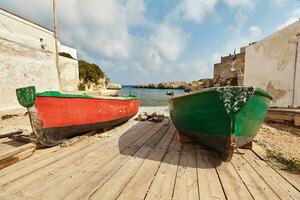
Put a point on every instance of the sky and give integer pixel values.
(149, 41)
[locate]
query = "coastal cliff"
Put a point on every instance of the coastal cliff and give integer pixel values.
(93, 78)
(187, 86)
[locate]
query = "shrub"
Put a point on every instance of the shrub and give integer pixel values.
(89, 72)
(81, 86)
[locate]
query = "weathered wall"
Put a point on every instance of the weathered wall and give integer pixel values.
(24, 66)
(270, 65)
(69, 74)
(27, 60)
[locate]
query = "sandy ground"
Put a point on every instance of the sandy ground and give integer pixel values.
(280, 140)
(281, 144)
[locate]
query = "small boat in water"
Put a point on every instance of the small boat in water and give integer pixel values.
(55, 116)
(170, 93)
(221, 118)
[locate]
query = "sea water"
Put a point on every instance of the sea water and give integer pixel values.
(150, 97)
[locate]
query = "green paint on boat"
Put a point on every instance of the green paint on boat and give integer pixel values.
(26, 96)
(62, 95)
(214, 115)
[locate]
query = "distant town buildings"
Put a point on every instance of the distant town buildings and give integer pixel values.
(271, 64)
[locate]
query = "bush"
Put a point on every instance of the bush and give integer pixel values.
(89, 72)
(81, 86)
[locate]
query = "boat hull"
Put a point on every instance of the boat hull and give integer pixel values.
(203, 116)
(55, 117)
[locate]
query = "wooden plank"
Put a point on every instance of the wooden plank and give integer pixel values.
(24, 139)
(82, 183)
(15, 158)
(255, 184)
(232, 184)
(15, 151)
(297, 120)
(60, 169)
(186, 186)
(163, 184)
(114, 185)
(139, 184)
(279, 185)
(10, 134)
(208, 181)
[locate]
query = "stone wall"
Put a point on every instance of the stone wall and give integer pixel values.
(222, 70)
(270, 65)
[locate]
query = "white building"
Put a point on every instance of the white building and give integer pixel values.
(27, 57)
(273, 64)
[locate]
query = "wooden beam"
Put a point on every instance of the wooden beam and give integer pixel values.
(10, 134)
(182, 138)
(15, 158)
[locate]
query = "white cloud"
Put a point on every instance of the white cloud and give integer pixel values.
(280, 2)
(292, 18)
(241, 3)
(194, 10)
(169, 40)
(135, 10)
(255, 31)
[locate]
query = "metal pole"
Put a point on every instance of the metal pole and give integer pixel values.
(56, 42)
(295, 70)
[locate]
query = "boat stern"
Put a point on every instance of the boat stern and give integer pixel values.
(26, 96)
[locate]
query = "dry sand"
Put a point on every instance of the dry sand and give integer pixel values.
(280, 140)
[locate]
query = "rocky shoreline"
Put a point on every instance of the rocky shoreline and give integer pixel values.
(187, 86)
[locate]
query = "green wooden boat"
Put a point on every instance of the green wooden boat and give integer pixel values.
(221, 118)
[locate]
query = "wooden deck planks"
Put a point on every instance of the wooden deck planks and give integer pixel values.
(232, 184)
(79, 172)
(258, 188)
(208, 181)
(186, 186)
(112, 187)
(143, 162)
(280, 186)
(163, 183)
(98, 176)
(144, 176)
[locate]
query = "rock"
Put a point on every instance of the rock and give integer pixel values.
(155, 117)
(114, 86)
(187, 86)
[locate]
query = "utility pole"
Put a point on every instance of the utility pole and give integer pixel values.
(295, 68)
(56, 42)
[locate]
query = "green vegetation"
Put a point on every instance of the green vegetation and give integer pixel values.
(81, 86)
(288, 164)
(89, 72)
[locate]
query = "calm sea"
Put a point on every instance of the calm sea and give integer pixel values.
(150, 97)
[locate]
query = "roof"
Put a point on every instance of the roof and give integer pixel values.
(26, 20)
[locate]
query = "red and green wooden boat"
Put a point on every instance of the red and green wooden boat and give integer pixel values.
(55, 116)
(221, 118)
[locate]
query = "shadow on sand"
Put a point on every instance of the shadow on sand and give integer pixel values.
(157, 141)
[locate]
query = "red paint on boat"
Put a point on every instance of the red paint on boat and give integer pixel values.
(62, 112)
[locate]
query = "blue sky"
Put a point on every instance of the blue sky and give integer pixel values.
(143, 41)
